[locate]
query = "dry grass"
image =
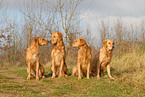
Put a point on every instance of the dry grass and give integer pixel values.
(128, 70)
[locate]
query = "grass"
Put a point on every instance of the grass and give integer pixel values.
(129, 71)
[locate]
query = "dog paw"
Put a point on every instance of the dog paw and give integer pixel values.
(65, 75)
(98, 77)
(53, 76)
(28, 78)
(60, 76)
(37, 78)
(79, 78)
(112, 78)
(43, 76)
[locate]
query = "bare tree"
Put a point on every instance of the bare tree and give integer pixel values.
(39, 20)
(103, 30)
(67, 12)
(118, 31)
(61, 16)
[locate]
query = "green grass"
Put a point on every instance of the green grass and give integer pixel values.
(128, 70)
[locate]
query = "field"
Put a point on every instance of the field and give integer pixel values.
(128, 69)
(95, 21)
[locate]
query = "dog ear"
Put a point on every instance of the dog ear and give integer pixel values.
(113, 41)
(60, 35)
(104, 43)
(36, 40)
(82, 41)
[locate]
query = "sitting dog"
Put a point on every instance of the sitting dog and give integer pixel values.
(105, 57)
(59, 66)
(84, 59)
(32, 58)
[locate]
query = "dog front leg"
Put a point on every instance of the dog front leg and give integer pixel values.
(98, 71)
(29, 71)
(102, 68)
(79, 71)
(108, 70)
(37, 70)
(74, 71)
(42, 71)
(61, 68)
(53, 68)
(88, 71)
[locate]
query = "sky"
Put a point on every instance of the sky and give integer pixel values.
(97, 8)
(113, 8)
(134, 8)
(130, 12)
(101, 7)
(93, 11)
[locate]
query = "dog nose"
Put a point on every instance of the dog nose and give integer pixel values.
(112, 46)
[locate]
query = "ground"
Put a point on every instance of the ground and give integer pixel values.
(14, 83)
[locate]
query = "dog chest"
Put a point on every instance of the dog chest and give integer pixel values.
(58, 56)
(34, 58)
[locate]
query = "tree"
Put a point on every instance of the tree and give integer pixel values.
(39, 20)
(61, 15)
(119, 31)
(104, 30)
(67, 12)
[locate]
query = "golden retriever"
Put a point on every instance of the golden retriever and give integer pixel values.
(105, 57)
(59, 66)
(33, 58)
(84, 59)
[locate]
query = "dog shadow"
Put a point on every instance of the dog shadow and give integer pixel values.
(50, 75)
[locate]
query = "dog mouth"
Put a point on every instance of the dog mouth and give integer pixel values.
(74, 45)
(43, 44)
(53, 42)
(110, 49)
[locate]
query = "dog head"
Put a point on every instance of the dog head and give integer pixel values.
(56, 36)
(108, 44)
(79, 42)
(40, 41)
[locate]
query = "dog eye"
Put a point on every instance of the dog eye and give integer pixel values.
(108, 43)
(76, 41)
(42, 39)
(54, 36)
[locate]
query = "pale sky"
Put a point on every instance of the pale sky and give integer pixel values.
(130, 11)
(134, 8)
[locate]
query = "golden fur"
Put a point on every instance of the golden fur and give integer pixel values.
(105, 57)
(84, 59)
(33, 58)
(59, 66)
